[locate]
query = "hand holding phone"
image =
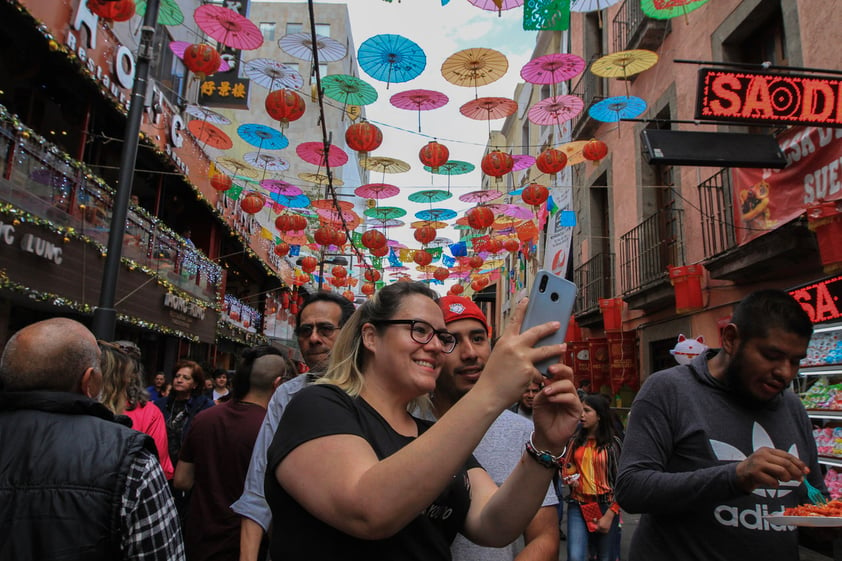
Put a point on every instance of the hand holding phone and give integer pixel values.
(551, 299)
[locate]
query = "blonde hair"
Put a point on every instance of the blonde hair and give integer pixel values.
(118, 369)
(348, 357)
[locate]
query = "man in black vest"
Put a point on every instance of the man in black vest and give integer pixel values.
(74, 484)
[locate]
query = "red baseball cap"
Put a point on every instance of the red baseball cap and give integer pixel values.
(455, 308)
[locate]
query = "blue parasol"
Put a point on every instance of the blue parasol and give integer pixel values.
(290, 201)
(436, 214)
(265, 138)
(391, 58)
(614, 109)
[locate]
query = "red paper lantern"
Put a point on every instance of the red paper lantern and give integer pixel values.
(534, 194)
(425, 234)
(594, 150)
(349, 295)
(368, 288)
(457, 289)
(202, 59)
(511, 245)
(477, 285)
(281, 249)
(434, 155)
(497, 163)
(290, 222)
(339, 237)
(373, 239)
(309, 264)
(339, 271)
(363, 137)
(339, 282)
(220, 181)
(551, 161)
(493, 246)
(301, 278)
(441, 273)
(285, 300)
(372, 275)
(480, 217)
(422, 258)
(252, 203)
(121, 10)
(381, 251)
(325, 236)
(284, 106)
(475, 261)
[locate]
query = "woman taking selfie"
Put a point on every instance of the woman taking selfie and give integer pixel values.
(354, 476)
(590, 469)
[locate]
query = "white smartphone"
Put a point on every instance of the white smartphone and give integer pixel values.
(552, 299)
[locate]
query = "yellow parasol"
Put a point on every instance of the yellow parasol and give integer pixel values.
(474, 67)
(319, 179)
(573, 151)
(624, 64)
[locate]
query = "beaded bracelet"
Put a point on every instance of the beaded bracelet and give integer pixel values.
(543, 457)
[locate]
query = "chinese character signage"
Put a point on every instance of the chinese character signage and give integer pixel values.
(765, 97)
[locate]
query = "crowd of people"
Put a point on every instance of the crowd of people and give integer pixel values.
(412, 436)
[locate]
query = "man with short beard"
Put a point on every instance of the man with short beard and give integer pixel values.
(714, 446)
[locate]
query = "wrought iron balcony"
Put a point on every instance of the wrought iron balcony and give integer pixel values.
(648, 248)
(595, 279)
(632, 29)
(591, 88)
(717, 213)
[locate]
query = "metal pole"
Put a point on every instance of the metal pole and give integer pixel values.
(105, 315)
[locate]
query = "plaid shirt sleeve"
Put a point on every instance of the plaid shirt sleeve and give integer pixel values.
(150, 526)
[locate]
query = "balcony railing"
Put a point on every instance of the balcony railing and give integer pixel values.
(717, 214)
(648, 248)
(595, 279)
(633, 30)
(591, 89)
(37, 178)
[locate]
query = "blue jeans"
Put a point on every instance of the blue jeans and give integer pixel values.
(580, 542)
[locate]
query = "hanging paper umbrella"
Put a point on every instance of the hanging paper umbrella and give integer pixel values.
(419, 100)
(452, 167)
(474, 67)
(496, 5)
(266, 162)
(385, 212)
(314, 153)
(552, 68)
(667, 9)
(488, 108)
(263, 137)
(272, 75)
(290, 201)
(300, 45)
(431, 223)
(228, 27)
(320, 179)
(236, 167)
(385, 164)
(613, 109)
(512, 211)
(280, 187)
(295, 237)
(440, 241)
(179, 47)
(330, 204)
(430, 196)
(338, 216)
(383, 223)
(210, 135)
(624, 64)
(481, 197)
(573, 151)
(522, 161)
(206, 114)
(168, 12)
(436, 214)
(391, 58)
(348, 89)
(590, 5)
(377, 191)
(555, 110)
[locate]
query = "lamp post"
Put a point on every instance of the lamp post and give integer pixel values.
(105, 315)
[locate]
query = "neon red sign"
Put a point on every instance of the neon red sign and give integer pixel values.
(821, 300)
(765, 97)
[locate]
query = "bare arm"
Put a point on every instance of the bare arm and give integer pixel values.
(251, 534)
(541, 536)
(184, 476)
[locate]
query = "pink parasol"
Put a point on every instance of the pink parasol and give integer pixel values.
(377, 191)
(228, 27)
(496, 5)
(481, 196)
(178, 48)
(513, 211)
(314, 153)
(280, 187)
(552, 68)
(349, 217)
(555, 110)
(522, 161)
(419, 100)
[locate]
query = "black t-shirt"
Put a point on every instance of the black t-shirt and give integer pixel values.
(323, 410)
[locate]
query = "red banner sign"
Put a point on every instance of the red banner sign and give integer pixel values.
(788, 99)
(765, 199)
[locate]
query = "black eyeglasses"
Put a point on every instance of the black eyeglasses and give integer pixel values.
(422, 332)
(323, 329)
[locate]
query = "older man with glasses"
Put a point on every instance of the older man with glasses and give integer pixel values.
(318, 323)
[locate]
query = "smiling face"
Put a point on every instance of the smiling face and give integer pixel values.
(463, 367)
(396, 360)
(762, 367)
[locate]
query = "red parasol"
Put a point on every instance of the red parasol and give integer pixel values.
(481, 197)
(488, 108)
(210, 135)
(350, 218)
(419, 100)
(178, 48)
(329, 204)
(314, 153)
(552, 68)
(555, 110)
(228, 27)
(377, 191)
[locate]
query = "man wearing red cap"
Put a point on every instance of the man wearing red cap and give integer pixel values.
(499, 451)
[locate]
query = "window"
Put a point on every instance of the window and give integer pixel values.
(267, 29)
(169, 72)
(294, 28)
(323, 29)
